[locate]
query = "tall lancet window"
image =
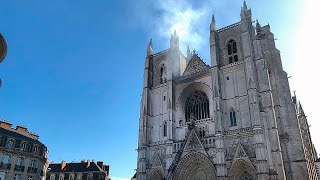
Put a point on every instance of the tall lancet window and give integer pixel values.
(163, 74)
(165, 129)
(232, 51)
(197, 105)
(233, 119)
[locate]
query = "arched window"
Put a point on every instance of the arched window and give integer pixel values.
(232, 51)
(24, 146)
(197, 105)
(52, 177)
(61, 177)
(71, 177)
(165, 129)
(246, 176)
(10, 144)
(163, 74)
(233, 119)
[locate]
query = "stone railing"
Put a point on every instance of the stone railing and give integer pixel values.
(5, 165)
(232, 64)
(197, 122)
(19, 168)
(229, 27)
(32, 170)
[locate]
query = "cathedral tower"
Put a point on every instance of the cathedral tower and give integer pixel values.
(233, 119)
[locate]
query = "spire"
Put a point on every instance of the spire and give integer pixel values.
(213, 23)
(150, 49)
(258, 28)
(245, 5)
(245, 12)
(188, 51)
(174, 40)
(258, 25)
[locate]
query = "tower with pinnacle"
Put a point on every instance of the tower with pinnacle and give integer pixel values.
(233, 119)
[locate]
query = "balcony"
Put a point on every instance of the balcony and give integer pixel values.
(32, 170)
(5, 165)
(19, 168)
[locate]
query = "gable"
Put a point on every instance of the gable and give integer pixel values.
(195, 65)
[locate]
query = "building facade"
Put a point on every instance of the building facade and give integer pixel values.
(84, 170)
(232, 119)
(22, 155)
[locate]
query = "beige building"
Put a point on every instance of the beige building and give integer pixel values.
(22, 155)
(234, 119)
(84, 170)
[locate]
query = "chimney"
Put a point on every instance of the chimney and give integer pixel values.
(100, 164)
(63, 164)
(88, 163)
(21, 129)
(5, 124)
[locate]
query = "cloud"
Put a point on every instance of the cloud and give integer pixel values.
(191, 20)
(306, 63)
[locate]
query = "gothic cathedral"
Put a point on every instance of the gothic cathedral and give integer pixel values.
(234, 119)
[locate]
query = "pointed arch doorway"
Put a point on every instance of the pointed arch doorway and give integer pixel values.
(195, 166)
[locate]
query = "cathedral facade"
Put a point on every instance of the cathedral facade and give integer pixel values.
(233, 119)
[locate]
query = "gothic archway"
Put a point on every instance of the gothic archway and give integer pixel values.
(185, 94)
(194, 166)
(156, 174)
(242, 170)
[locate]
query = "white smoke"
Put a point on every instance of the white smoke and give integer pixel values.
(190, 19)
(188, 23)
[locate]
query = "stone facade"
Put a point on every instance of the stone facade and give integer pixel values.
(22, 155)
(84, 170)
(234, 119)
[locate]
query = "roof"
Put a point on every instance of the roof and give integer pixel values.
(15, 134)
(76, 167)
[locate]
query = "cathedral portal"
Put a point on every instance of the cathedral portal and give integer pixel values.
(194, 166)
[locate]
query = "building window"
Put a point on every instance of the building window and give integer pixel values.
(233, 119)
(61, 177)
(36, 149)
(19, 161)
(10, 144)
(2, 175)
(71, 177)
(197, 105)
(6, 159)
(24, 146)
(232, 51)
(33, 164)
(30, 177)
(52, 177)
(17, 177)
(163, 74)
(165, 129)
(202, 132)
(90, 176)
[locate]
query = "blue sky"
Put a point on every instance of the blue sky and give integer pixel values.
(73, 72)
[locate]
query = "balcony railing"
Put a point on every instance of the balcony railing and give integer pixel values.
(5, 165)
(19, 168)
(32, 170)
